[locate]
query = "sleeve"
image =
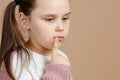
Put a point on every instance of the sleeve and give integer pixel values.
(57, 72)
(3, 73)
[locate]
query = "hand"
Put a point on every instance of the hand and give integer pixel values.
(55, 57)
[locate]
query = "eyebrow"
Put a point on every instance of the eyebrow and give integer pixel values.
(67, 13)
(50, 14)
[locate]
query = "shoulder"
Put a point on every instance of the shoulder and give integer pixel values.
(60, 52)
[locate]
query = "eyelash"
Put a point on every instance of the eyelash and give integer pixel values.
(49, 20)
(65, 18)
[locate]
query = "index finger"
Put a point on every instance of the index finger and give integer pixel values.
(55, 45)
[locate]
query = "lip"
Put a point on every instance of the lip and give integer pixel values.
(60, 38)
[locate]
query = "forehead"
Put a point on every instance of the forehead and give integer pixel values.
(52, 6)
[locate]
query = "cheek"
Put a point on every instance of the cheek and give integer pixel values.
(67, 28)
(46, 41)
(44, 37)
(40, 33)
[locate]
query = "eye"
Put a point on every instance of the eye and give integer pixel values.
(65, 19)
(49, 19)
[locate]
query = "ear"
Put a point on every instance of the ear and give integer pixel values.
(23, 21)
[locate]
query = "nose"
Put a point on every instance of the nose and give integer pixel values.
(60, 27)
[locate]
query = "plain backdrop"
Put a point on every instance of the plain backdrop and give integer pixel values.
(93, 44)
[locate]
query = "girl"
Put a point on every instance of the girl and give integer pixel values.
(38, 58)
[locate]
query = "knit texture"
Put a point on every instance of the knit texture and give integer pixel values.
(57, 72)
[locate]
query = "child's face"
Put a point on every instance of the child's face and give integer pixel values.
(49, 19)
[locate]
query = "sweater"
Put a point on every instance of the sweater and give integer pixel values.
(47, 71)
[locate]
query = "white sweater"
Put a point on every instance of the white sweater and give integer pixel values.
(36, 67)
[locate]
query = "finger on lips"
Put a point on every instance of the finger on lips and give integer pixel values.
(55, 45)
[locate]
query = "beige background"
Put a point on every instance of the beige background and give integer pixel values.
(93, 44)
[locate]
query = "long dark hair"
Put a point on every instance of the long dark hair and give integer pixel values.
(11, 36)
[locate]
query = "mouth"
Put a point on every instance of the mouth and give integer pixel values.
(60, 38)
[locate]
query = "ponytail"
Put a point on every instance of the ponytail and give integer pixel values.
(11, 37)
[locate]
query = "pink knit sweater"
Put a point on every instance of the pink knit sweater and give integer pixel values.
(52, 72)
